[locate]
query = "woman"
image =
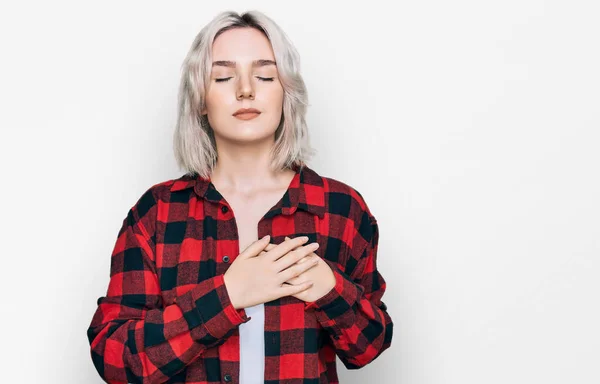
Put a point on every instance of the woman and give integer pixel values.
(184, 305)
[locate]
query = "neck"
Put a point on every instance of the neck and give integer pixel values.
(247, 168)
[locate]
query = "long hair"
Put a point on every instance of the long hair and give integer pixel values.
(194, 143)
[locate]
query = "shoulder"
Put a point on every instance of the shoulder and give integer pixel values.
(160, 192)
(339, 188)
(145, 212)
(340, 191)
(346, 200)
(349, 212)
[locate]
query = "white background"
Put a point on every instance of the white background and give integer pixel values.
(470, 127)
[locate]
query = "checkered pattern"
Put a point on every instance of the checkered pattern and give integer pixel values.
(167, 316)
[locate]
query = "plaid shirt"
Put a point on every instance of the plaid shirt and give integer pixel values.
(167, 316)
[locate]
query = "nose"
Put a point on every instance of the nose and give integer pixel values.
(245, 88)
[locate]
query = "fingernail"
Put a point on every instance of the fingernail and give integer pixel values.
(304, 238)
(265, 237)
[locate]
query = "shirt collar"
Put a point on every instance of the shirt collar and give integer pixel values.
(306, 192)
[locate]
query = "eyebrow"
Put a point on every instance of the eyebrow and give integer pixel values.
(232, 64)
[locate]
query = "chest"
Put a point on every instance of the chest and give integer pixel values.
(197, 239)
(247, 213)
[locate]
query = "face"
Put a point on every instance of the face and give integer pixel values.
(243, 76)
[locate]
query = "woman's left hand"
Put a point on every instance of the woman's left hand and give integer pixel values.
(321, 275)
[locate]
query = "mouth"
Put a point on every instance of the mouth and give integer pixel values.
(246, 115)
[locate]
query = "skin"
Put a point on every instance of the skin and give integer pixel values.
(244, 177)
(322, 272)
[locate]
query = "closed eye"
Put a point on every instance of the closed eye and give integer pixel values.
(223, 79)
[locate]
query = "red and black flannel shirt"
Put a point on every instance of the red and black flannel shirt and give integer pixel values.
(167, 316)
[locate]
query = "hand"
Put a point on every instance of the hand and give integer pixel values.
(256, 277)
(321, 275)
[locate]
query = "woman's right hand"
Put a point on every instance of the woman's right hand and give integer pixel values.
(256, 277)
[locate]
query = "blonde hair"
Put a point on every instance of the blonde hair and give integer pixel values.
(193, 144)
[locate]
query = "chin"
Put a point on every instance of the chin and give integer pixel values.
(249, 135)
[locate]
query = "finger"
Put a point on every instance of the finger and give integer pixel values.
(296, 270)
(303, 259)
(268, 248)
(306, 258)
(294, 256)
(295, 280)
(254, 249)
(289, 290)
(287, 238)
(286, 246)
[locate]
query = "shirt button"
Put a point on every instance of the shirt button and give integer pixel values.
(224, 209)
(227, 377)
(226, 259)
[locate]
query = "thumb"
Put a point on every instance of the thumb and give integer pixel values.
(255, 248)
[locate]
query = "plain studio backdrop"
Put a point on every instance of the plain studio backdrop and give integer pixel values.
(470, 127)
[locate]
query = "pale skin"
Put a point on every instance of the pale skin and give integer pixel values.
(321, 274)
(244, 75)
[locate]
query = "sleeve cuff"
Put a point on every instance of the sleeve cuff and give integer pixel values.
(341, 299)
(209, 304)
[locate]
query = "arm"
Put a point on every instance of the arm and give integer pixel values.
(352, 312)
(133, 336)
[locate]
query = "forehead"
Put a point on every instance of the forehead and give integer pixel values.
(242, 45)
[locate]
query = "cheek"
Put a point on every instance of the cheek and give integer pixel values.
(276, 96)
(216, 100)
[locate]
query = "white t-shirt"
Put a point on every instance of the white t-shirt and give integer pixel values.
(252, 346)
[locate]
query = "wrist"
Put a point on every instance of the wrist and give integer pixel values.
(332, 281)
(229, 288)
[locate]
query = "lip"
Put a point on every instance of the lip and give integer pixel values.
(246, 113)
(246, 116)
